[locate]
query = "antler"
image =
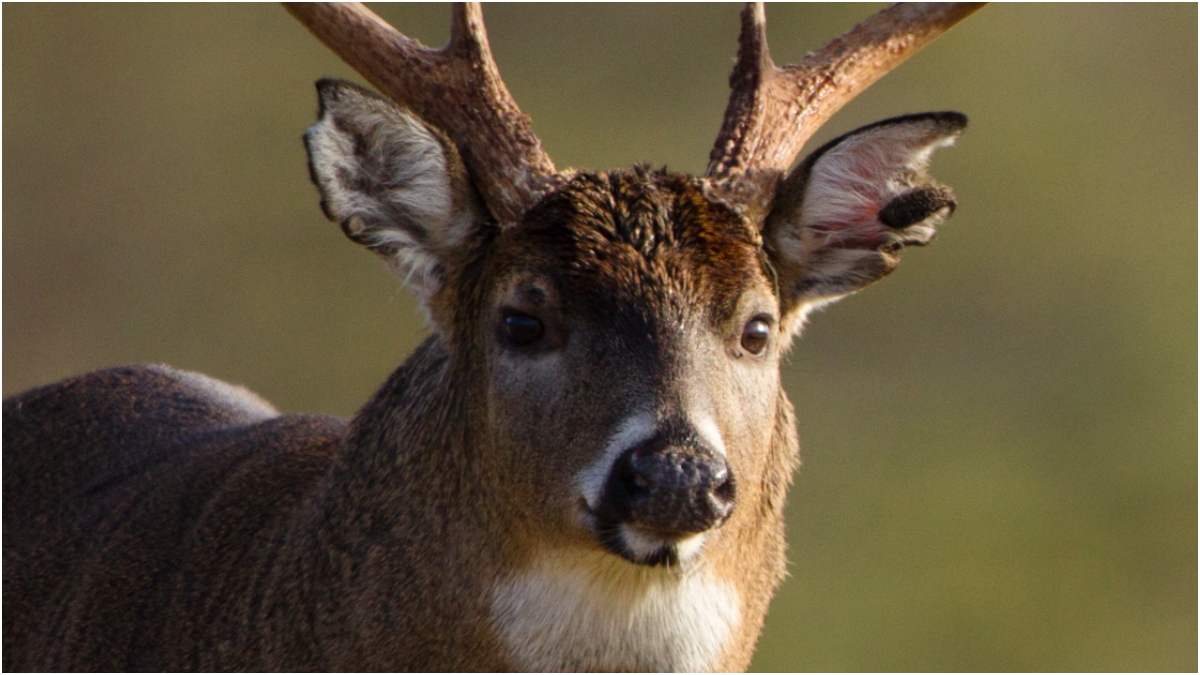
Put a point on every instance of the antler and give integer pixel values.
(772, 111)
(456, 88)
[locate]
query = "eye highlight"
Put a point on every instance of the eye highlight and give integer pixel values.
(755, 336)
(522, 330)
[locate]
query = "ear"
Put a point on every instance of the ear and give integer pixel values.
(842, 216)
(395, 184)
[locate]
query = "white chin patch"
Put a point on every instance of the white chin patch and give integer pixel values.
(579, 610)
(647, 547)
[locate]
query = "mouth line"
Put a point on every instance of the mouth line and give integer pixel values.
(611, 534)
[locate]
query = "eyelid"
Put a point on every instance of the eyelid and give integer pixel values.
(533, 295)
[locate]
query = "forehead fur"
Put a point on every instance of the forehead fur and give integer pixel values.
(634, 231)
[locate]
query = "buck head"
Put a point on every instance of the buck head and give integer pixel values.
(625, 333)
(620, 333)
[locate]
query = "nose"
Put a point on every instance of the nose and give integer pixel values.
(670, 488)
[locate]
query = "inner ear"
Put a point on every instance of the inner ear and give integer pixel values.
(841, 217)
(394, 183)
(850, 179)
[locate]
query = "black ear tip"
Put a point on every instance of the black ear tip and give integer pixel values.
(340, 97)
(951, 120)
(331, 90)
(917, 205)
(947, 122)
(328, 86)
(328, 90)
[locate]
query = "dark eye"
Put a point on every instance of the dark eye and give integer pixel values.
(755, 336)
(523, 330)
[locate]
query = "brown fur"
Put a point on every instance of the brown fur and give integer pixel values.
(152, 524)
(158, 531)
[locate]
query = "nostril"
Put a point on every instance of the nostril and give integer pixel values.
(727, 490)
(629, 487)
(725, 495)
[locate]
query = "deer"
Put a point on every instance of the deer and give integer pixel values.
(584, 466)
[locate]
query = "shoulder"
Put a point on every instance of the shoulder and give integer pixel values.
(70, 438)
(138, 393)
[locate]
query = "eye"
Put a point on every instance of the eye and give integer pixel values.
(755, 336)
(523, 330)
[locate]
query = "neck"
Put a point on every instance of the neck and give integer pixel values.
(401, 555)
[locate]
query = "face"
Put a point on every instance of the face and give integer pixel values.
(631, 338)
(622, 341)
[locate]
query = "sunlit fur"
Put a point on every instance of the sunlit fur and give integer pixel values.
(394, 183)
(653, 285)
(169, 522)
(222, 394)
(825, 227)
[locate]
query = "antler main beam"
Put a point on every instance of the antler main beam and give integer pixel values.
(456, 88)
(772, 111)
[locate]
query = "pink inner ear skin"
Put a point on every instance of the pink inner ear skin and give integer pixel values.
(861, 230)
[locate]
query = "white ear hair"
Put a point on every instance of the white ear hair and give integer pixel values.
(855, 179)
(394, 184)
(851, 205)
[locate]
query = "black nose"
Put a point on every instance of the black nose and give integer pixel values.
(669, 488)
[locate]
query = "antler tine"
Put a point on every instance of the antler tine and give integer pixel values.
(467, 33)
(753, 65)
(772, 111)
(457, 89)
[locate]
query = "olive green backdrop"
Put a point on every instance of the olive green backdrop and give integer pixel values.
(999, 441)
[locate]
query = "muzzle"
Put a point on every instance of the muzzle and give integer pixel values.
(661, 491)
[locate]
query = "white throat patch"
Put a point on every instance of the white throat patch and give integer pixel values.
(587, 610)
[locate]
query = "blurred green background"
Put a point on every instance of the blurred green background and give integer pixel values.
(999, 441)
